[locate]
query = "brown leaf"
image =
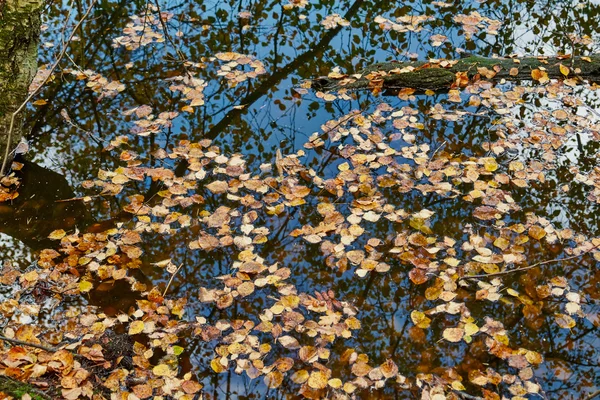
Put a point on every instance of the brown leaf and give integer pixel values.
(143, 391)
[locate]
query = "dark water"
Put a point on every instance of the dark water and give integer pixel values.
(293, 46)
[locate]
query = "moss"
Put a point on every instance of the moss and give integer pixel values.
(18, 389)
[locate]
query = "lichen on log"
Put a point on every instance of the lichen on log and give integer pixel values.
(442, 74)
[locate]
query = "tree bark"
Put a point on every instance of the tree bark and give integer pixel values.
(442, 75)
(20, 22)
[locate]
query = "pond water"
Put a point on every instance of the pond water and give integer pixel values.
(271, 116)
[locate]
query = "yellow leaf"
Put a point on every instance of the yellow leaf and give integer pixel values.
(217, 366)
(57, 234)
(537, 232)
(501, 243)
(564, 70)
(136, 327)
(344, 167)
(187, 109)
(533, 357)
(85, 286)
(317, 380)
(456, 385)
(349, 387)
(420, 319)
(489, 164)
(39, 102)
(273, 379)
(163, 370)
(300, 377)
(564, 321)
(471, 329)
(353, 323)
(335, 383)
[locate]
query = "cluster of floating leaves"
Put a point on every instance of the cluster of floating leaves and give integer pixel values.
(333, 21)
(97, 83)
(357, 228)
(235, 75)
(296, 4)
(405, 23)
(144, 29)
(474, 22)
(373, 167)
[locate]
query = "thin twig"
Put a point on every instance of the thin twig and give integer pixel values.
(508, 272)
(593, 395)
(83, 198)
(23, 343)
(438, 149)
(466, 396)
(180, 54)
(37, 90)
(171, 280)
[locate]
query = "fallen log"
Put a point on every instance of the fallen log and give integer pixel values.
(447, 74)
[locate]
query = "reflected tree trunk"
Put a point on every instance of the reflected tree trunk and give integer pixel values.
(20, 22)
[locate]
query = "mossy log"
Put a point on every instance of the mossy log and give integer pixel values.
(442, 74)
(20, 22)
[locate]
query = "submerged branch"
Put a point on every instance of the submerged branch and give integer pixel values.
(23, 343)
(539, 264)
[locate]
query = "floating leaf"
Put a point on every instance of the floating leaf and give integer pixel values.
(564, 321)
(162, 370)
(335, 383)
(389, 369)
(420, 319)
(317, 380)
(136, 327)
(489, 164)
(273, 379)
(539, 75)
(300, 376)
(57, 234)
(289, 342)
(216, 366)
(453, 334)
(85, 286)
(537, 232)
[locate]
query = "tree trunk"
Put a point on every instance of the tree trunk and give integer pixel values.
(442, 74)
(20, 22)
